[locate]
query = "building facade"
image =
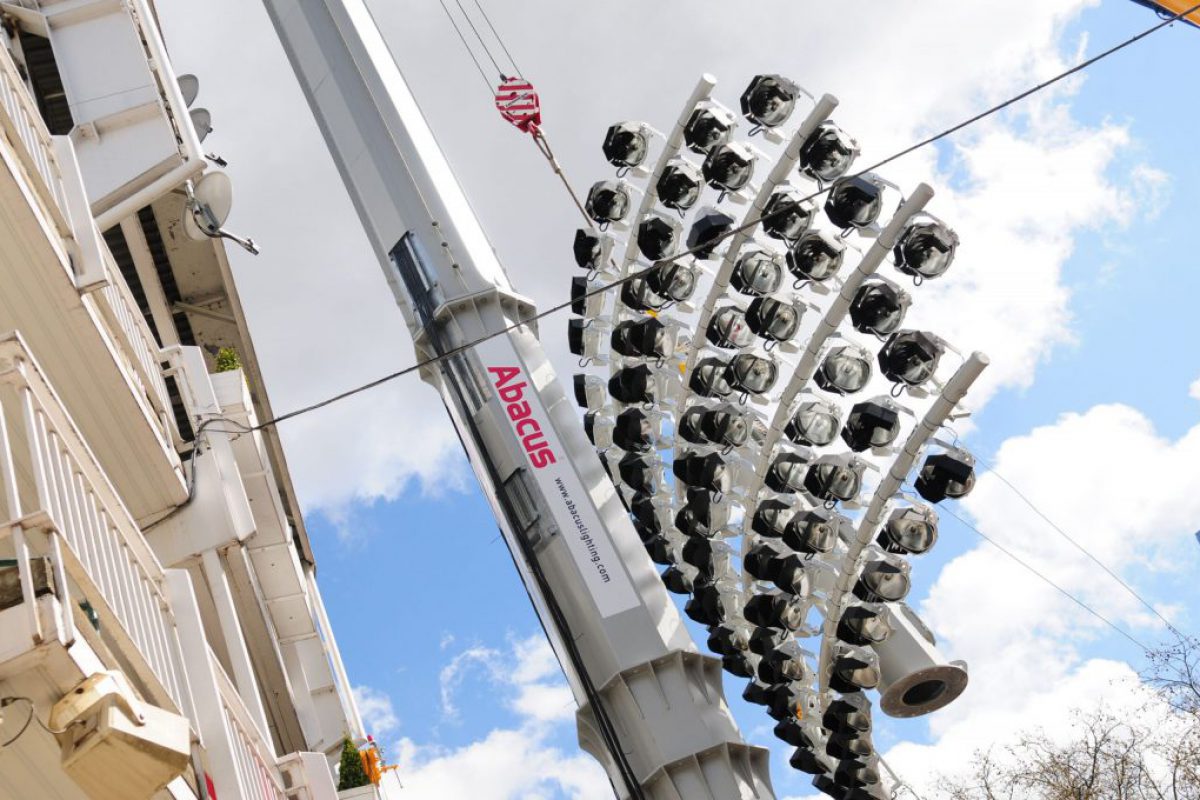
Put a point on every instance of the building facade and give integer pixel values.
(160, 622)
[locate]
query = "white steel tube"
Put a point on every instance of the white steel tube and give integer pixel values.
(783, 167)
(954, 391)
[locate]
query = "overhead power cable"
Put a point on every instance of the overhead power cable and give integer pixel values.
(1029, 567)
(1075, 543)
(708, 245)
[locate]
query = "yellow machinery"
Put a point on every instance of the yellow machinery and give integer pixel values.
(1169, 8)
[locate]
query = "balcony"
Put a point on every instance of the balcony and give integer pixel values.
(65, 295)
(81, 591)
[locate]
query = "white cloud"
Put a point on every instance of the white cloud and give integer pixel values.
(1128, 495)
(1194, 389)
(520, 762)
(376, 710)
(324, 319)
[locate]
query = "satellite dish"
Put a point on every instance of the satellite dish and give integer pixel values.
(201, 121)
(209, 206)
(209, 201)
(190, 86)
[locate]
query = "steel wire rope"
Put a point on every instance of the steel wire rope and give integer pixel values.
(467, 47)
(1046, 579)
(499, 39)
(716, 240)
(1075, 543)
(487, 50)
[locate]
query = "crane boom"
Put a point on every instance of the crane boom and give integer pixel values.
(651, 707)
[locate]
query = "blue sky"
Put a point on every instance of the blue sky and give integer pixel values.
(425, 603)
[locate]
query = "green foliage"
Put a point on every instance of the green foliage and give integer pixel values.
(227, 360)
(351, 774)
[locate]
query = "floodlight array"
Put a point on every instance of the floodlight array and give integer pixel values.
(759, 416)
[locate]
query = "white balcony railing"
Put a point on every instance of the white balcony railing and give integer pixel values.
(137, 347)
(61, 504)
(258, 775)
(22, 125)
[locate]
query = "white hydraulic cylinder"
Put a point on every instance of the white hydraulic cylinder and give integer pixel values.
(651, 707)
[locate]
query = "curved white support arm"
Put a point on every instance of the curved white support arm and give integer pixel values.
(954, 391)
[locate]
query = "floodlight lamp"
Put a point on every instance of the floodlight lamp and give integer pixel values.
(786, 700)
(729, 167)
(949, 474)
(910, 357)
(627, 144)
(864, 624)
(651, 515)
(827, 153)
(762, 561)
(661, 550)
(710, 558)
(584, 301)
(707, 231)
(705, 606)
(833, 479)
(708, 127)
(884, 579)
(641, 471)
(815, 423)
(708, 471)
(854, 774)
(878, 307)
(701, 516)
(658, 236)
(845, 370)
(634, 432)
(871, 424)
(609, 201)
(757, 692)
(709, 378)
(728, 329)
(792, 576)
(752, 374)
(925, 249)
(769, 100)
(787, 472)
(849, 748)
(781, 666)
(775, 610)
(796, 733)
(729, 638)
(805, 760)
(598, 427)
(589, 391)
(816, 256)
(787, 215)
(591, 250)
(673, 280)
(773, 319)
(634, 384)
(724, 425)
(854, 669)
(637, 295)
(771, 518)
(757, 273)
(764, 640)
(849, 715)
(855, 202)
(679, 185)
(677, 580)
(910, 531)
(813, 532)
(643, 338)
(738, 664)
(585, 338)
